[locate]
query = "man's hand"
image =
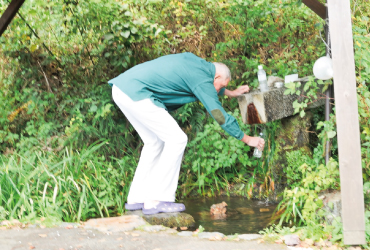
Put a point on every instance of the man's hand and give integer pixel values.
(256, 142)
(237, 92)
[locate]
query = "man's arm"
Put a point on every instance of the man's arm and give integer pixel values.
(237, 92)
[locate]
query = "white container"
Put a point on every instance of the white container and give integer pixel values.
(262, 79)
(257, 153)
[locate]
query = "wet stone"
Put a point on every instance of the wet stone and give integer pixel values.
(219, 208)
(211, 235)
(166, 219)
(185, 233)
(245, 210)
(115, 224)
(263, 210)
(249, 236)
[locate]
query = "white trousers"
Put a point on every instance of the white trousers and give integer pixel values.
(158, 170)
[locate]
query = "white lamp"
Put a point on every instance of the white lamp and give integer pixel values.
(323, 68)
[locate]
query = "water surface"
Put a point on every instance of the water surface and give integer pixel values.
(243, 216)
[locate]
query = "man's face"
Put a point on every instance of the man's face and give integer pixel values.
(220, 82)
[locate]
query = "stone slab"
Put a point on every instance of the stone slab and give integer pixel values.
(273, 104)
(115, 224)
(166, 219)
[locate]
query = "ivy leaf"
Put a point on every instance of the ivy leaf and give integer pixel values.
(296, 104)
(125, 34)
(108, 36)
(133, 30)
(331, 134)
(302, 113)
(287, 92)
(306, 86)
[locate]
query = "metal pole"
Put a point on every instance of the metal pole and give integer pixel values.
(329, 91)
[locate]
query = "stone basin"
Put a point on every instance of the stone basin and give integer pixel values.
(273, 104)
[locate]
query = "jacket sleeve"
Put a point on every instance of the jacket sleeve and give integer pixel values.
(207, 94)
(221, 92)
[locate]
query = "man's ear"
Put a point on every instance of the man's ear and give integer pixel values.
(217, 76)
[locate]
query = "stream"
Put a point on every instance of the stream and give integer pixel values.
(243, 216)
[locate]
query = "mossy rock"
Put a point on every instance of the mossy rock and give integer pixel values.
(167, 219)
(292, 135)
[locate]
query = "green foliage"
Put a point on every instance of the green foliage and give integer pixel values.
(70, 186)
(213, 169)
(307, 177)
(301, 203)
(307, 93)
(69, 154)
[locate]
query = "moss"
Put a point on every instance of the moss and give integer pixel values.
(167, 219)
(292, 135)
(170, 219)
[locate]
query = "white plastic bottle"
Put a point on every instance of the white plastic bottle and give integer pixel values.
(262, 79)
(257, 153)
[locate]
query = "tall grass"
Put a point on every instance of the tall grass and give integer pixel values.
(69, 186)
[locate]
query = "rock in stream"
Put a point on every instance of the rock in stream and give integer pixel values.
(166, 219)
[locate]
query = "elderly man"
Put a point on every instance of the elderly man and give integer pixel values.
(145, 94)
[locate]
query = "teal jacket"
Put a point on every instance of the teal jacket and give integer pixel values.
(174, 80)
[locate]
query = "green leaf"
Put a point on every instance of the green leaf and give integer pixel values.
(302, 113)
(133, 30)
(331, 134)
(306, 87)
(125, 34)
(108, 36)
(93, 108)
(287, 92)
